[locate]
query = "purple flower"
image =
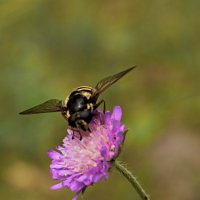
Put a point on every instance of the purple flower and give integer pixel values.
(81, 163)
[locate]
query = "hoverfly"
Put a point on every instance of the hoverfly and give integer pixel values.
(78, 108)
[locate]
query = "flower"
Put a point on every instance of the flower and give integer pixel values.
(81, 163)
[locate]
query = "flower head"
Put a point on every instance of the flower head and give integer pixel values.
(81, 163)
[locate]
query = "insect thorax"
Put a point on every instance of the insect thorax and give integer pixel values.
(85, 91)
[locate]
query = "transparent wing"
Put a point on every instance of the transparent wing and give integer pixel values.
(52, 105)
(108, 81)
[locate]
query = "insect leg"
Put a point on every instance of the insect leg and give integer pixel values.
(75, 130)
(98, 104)
(104, 109)
(81, 124)
(101, 118)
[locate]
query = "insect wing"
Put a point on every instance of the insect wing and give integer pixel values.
(52, 105)
(108, 81)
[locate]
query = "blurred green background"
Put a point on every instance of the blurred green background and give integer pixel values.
(47, 48)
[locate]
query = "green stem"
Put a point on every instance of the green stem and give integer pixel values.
(131, 179)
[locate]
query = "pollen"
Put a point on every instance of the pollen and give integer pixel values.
(112, 148)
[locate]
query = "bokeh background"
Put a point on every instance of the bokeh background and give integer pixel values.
(47, 48)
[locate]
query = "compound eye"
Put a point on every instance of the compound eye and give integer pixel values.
(72, 120)
(84, 114)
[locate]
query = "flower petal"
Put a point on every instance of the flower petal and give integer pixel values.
(57, 186)
(54, 154)
(117, 113)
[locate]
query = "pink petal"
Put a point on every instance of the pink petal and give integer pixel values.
(54, 154)
(117, 113)
(57, 186)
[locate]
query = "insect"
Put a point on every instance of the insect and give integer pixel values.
(78, 108)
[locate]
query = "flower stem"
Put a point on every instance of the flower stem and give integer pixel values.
(131, 179)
